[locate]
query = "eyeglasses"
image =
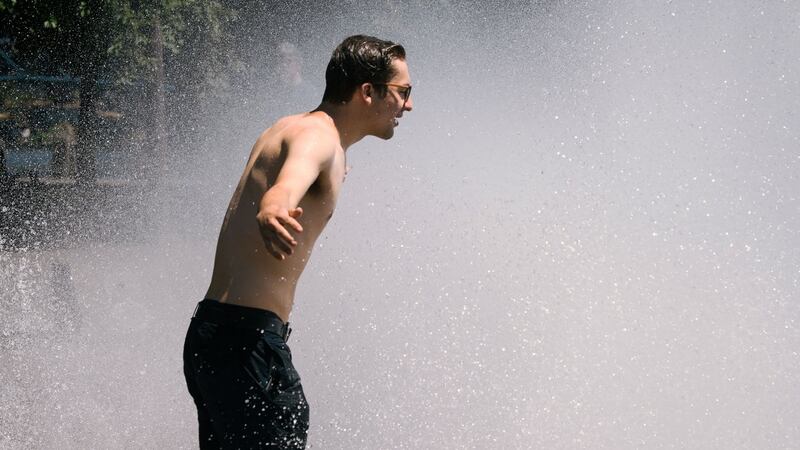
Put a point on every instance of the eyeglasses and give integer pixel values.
(405, 92)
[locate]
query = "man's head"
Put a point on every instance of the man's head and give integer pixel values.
(371, 76)
(358, 60)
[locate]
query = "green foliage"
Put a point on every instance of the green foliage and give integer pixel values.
(50, 36)
(7, 5)
(186, 27)
(155, 62)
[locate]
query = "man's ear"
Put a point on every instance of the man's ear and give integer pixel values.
(366, 91)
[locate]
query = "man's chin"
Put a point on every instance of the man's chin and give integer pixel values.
(386, 135)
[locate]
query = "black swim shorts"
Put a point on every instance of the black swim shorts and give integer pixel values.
(239, 372)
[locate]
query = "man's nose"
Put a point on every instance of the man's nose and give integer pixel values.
(409, 105)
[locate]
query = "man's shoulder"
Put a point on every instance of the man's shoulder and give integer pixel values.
(308, 128)
(305, 136)
(297, 131)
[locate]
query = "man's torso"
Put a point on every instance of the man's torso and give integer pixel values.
(244, 272)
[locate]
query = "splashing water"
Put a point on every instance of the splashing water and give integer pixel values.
(584, 236)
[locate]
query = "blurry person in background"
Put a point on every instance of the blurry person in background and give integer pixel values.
(291, 90)
(237, 363)
(291, 64)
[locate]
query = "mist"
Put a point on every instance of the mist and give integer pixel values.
(585, 235)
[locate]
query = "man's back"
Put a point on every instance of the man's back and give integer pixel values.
(245, 273)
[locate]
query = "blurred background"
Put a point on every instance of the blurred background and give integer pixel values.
(585, 235)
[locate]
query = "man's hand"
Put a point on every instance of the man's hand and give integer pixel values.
(273, 222)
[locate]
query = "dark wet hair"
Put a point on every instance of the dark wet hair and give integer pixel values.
(360, 59)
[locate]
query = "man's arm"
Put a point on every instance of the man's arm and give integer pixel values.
(308, 154)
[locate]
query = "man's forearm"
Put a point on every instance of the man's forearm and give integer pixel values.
(277, 196)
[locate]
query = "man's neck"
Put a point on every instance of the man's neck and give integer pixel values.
(347, 122)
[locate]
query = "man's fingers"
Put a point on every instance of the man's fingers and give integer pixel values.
(270, 248)
(277, 247)
(295, 214)
(294, 224)
(282, 233)
(283, 246)
(274, 243)
(277, 238)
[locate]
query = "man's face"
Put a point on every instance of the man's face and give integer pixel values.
(391, 106)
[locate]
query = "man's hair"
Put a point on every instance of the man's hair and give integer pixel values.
(360, 59)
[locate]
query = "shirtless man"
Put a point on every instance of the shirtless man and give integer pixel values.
(237, 365)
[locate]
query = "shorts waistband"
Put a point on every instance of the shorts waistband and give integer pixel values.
(213, 311)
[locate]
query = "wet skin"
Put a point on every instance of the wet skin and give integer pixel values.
(288, 192)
